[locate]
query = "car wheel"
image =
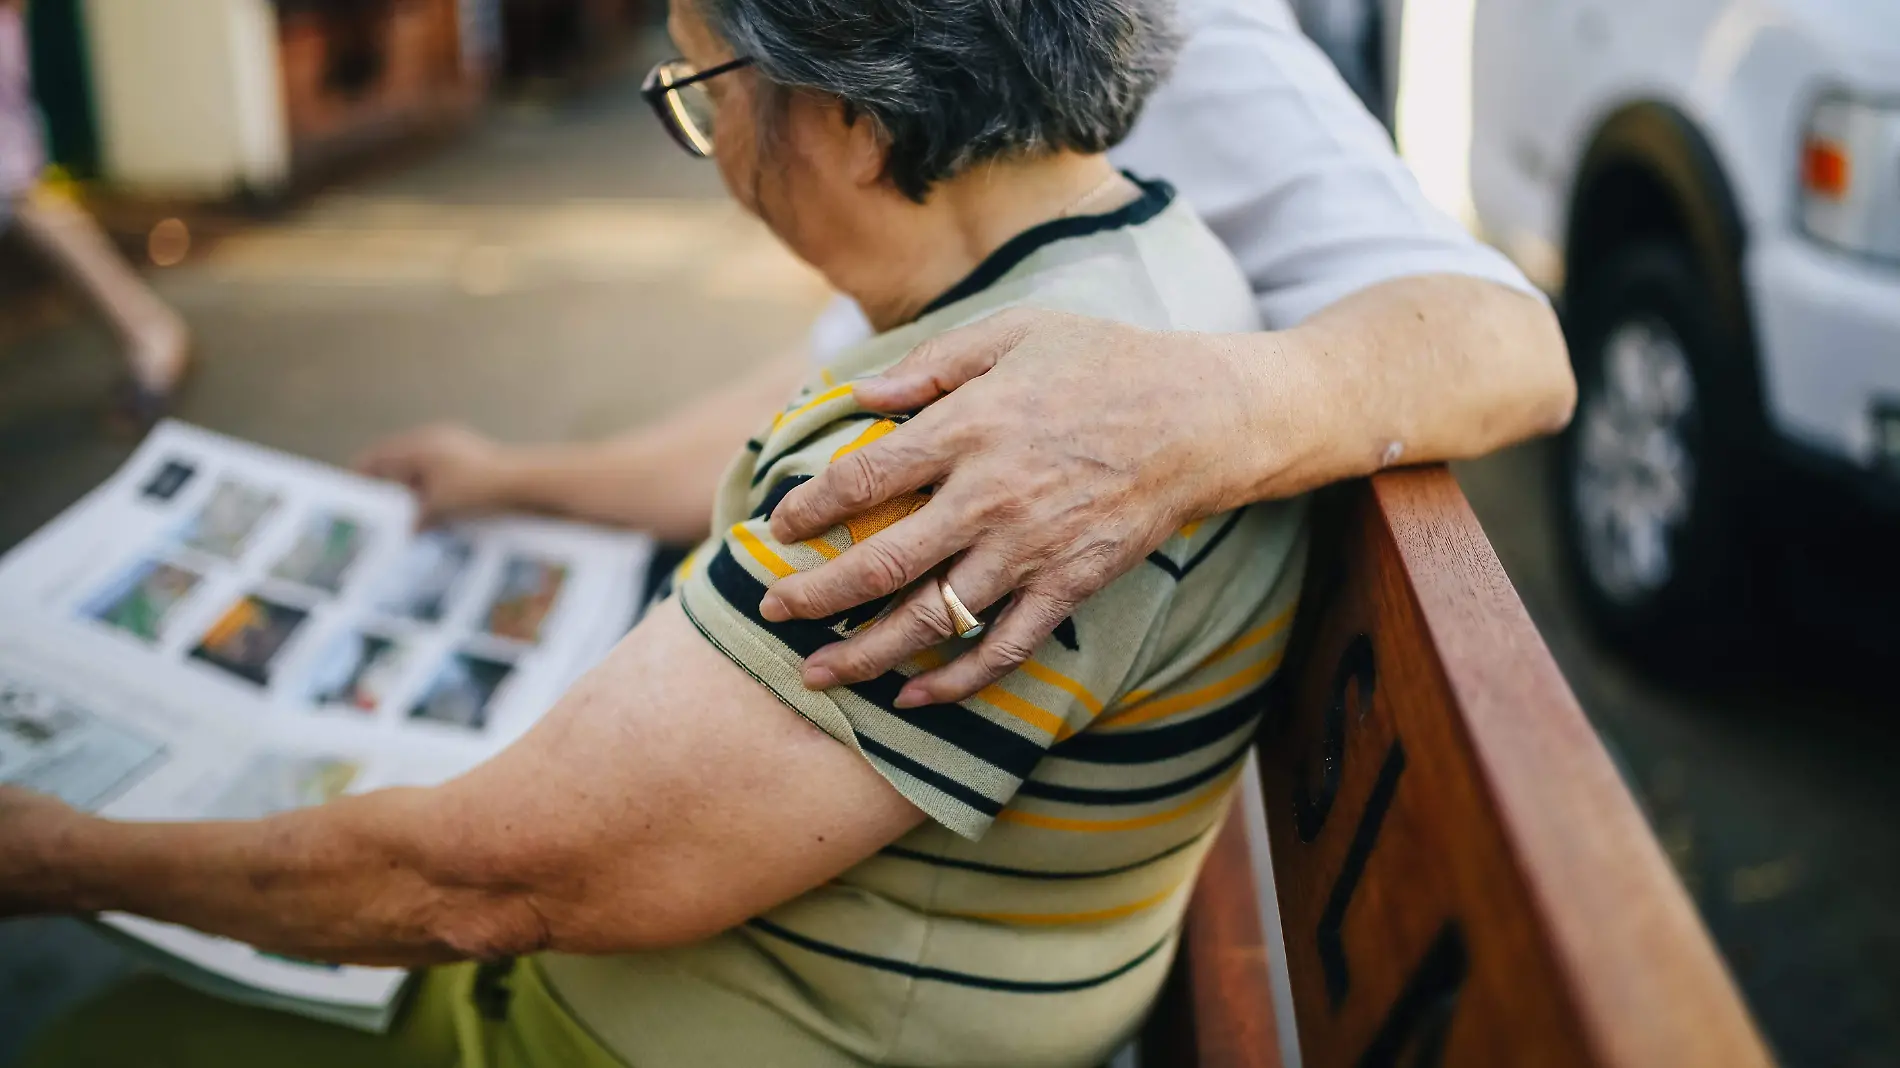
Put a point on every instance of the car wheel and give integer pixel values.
(1650, 471)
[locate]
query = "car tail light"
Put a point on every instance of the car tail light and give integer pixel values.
(1824, 168)
(1850, 176)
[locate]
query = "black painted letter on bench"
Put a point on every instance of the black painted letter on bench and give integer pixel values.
(1332, 948)
(1312, 803)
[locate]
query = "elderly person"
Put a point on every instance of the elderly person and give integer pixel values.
(1392, 337)
(700, 860)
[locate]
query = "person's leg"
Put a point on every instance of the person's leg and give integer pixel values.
(155, 338)
(151, 1022)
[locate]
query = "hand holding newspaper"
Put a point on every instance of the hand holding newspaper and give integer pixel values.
(224, 631)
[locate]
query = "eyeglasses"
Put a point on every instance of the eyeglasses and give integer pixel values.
(674, 91)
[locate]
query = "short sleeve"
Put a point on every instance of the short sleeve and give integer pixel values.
(960, 763)
(1256, 130)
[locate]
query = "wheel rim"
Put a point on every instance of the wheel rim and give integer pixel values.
(1635, 473)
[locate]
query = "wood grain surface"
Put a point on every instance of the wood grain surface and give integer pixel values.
(1463, 878)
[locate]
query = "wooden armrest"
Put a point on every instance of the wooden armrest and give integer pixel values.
(1462, 876)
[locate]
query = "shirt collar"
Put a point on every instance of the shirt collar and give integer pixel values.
(1155, 196)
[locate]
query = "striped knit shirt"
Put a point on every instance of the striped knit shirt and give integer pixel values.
(1031, 920)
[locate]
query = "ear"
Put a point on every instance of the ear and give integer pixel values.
(865, 149)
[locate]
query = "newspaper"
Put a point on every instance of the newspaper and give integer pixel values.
(221, 631)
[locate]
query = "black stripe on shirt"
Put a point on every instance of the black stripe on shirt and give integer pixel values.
(936, 861)
(944, 975)
(1180, 571)
(947, 785)
(1162, 743)
(777, 493)
(1077, 795)
(763, 468)
(927, 774)
(1155, 197)
(969, 731)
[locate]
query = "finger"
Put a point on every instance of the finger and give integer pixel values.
(389, 458)
(944, 362)
(921, 620)
(1015, 636)
(910, 457)
(377, 460)
(886, 562)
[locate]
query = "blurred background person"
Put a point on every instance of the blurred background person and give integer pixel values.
(156, 341)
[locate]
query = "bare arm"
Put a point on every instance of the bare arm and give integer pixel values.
(667, 797)
(658, 478)
(1063, 450)
(1420, 370)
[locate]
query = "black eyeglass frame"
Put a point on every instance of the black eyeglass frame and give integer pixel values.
(660, 95)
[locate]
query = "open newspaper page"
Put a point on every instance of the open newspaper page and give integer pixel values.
(221, 631)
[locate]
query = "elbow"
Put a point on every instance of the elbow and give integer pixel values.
(489, 925)
(573, 904)
(482, 908)
(482, 902)
(1556, 395)
(1562, 402)
(1543, 390)
(636, 915)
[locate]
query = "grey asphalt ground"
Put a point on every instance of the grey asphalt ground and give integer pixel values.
(564, 271)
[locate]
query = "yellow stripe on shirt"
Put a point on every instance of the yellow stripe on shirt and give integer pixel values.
(871, 433)
(685, 570)
(767, 559)
(1063, 682)
(1251, 638)
(826, 397)
(1050, 919)
(1035, 715)
(1182, 702)
(1240, 643)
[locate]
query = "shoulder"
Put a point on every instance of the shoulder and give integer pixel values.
(1166, 271)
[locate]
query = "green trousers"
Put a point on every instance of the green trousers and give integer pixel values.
(451, 1021)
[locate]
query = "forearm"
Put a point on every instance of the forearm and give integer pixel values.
(660, 478)
(665, 798)
(351, 881)
(1417, 370)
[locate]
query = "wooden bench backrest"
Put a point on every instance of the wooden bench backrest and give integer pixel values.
(1462, 877)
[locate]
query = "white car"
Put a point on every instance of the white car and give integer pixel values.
(1712, 188)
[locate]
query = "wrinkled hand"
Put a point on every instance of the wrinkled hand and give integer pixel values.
(31, 828)
(1063, 450)
(452, 470)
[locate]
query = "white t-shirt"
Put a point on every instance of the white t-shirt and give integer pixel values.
(1259, 133)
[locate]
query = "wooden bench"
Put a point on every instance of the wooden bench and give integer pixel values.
(1462, 878)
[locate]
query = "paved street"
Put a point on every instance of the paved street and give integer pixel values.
(1773, 793)
(564, 272)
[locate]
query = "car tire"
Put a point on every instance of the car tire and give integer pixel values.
(1651, 475)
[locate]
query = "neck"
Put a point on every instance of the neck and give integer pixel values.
(900, 255)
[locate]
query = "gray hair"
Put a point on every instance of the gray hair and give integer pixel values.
(951, 83)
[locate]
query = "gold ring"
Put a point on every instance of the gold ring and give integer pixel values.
(964, 620)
